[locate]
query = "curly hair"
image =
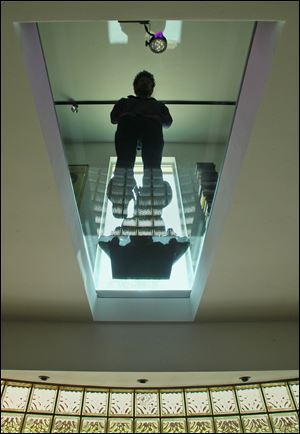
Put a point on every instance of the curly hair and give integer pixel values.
(144, 84)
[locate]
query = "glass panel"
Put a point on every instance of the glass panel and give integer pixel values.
(42, 399)
(228, 424)
(172, 403)
(121, 403)
(37, 423)
(95, 402)
(93, 425)
(258, 424)
(15, 396)
(69, 400)
(223, 400)
(147, 426)
(120, 426)
(146, 403)
(277, 396)
(11, 422)
(65, 424)
(201, 425)
(173, 425)
(197, 402)
(250, 399)
(294, 386)
(285, 422)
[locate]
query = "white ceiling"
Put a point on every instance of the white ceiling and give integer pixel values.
(255, 270)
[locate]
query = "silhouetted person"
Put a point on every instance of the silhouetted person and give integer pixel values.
(140, 120)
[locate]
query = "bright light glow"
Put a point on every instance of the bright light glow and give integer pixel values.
(115, 33)
(172, 217)
(172, 33)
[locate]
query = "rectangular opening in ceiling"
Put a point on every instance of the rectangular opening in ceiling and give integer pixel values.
(143, 203)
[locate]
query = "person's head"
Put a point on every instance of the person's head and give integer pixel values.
(143, 84)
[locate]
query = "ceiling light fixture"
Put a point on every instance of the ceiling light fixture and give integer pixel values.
(157, 43)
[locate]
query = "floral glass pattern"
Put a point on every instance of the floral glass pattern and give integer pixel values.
(146, 403)
(172, 403)
(223, 400)
(197, 402)
(250, 399)
(249, 408)
(42, 399)
(277, 397)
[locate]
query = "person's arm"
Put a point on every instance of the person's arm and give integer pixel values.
(117, 111)
(166, 118)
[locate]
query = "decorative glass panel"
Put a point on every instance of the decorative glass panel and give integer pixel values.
(277, 397)
(2, 386)
(146, 403)
(294, 386)
(147, 426)
(42, 399)
(37, 423)
(120, 426)
(69, 400)
(223, 400)
(285, 422)
(201, 425)
(15, 396)
(228, 424)
(197, 402)
(172, 403)
(121, 403)
(250, 399)
(259, 423)
(173, 425)
(65, 424)
(93, 425)
(11, 422)
(95, 402)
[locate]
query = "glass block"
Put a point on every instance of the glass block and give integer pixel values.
(223, 400)
(65, 424)
(259, 423)
(200, 425)
(11, 422)
(285, 422)
(147, 403)
(294, 387)
(120, 426)
(95, 402)
(197, 402)
(15, 396)
(173, 425)
(277, 396)
(42, 399)
(121, 403)
(36, 423)
(93, 425)
(228, 424)
(147, 426)
(250, 399)
(172, 403)
(69, 400)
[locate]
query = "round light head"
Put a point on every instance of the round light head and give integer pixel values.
(158, 43)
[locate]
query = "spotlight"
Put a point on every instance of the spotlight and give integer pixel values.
(157, 43)
(43, 377)
(74, 108)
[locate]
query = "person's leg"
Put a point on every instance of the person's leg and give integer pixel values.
(126, 141)
(152, 143)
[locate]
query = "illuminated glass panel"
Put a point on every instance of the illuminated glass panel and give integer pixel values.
(65, 424)
(15, 396)
(42, 399)
(277, 397)
(228, 424)
(95, 402)
(285, 422)
(11, 422)
(120, 425)
(172, 403)
(69, 400)
(197, 402)
(223, 400)
(37, 423)
(256, 424)
(146, 403)
(121, 403)
(93, 425)
(173, 425)
(147, 426)
(250, 399)
(294, 386)
(201, 425)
